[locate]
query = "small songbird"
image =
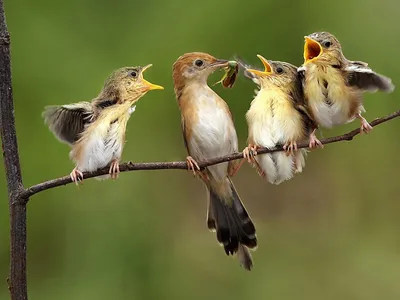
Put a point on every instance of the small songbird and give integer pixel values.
(209, 132)
(96, 130)
(278, 115)
(333, 85)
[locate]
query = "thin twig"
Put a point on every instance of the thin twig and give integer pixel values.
(181, 165)
(17, 279)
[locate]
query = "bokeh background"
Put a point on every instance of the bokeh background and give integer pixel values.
(330, 233)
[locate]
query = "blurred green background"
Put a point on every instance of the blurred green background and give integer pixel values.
(330, 233)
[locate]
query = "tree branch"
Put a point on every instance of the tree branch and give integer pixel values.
(181, 165)
(17, 208)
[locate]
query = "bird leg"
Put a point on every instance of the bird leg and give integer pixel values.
(249, 153)
(76, 175)
(114, 169)
(314, 141)
(194, 167)
(234, 169)
(365, 126)
(290, 148)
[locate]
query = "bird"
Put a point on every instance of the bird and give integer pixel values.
(334, 85)
(96, 130)
(278, 115)
(208, 132)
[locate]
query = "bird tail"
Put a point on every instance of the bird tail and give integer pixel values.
(279, 167)
(229, 218)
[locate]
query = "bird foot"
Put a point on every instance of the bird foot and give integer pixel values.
(365, 126)
(250, 152)
(114, 169)
(195, 168)
(314, 141)
(192, 165)
(76, 176)
(290, 148)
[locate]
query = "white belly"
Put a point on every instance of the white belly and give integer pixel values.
(212, 136)
(329, 115)
(103, 145)
(267, 131)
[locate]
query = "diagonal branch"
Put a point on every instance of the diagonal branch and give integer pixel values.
(181, 165)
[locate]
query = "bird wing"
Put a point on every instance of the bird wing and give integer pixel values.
(300, 104)
(361, 76)
(67, 122)
(184, 134)
(104, 103)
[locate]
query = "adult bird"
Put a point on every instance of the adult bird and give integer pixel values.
(208, 132)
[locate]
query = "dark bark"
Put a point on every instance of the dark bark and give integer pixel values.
(17, 277)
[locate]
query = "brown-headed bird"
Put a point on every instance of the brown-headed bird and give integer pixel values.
(209, 132)
(96, 130)
(278, 116)
(333, 85)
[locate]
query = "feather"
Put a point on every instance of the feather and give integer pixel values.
(362, 77)
(103, 103)
(67, 122)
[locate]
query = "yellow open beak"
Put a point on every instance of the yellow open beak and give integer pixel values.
(147, 85)
(267, 66)
(312, 49)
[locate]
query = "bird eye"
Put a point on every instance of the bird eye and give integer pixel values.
(279, 70)
(198, 62)
(134, 74)
(327, 44)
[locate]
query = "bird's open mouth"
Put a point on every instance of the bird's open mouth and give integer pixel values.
(312, 49)
(147, 85)
(268, 69)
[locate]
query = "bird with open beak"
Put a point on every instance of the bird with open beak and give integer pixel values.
(278, 115)
(96, 130)
(333, 85)
(209, 132)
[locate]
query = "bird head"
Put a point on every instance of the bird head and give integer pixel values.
(195, 67)
(322, 47)
(127, 84)
(276, 73)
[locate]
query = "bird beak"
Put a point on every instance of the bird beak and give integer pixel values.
(312, 49)
(147, 85)
(267, 66)
(220, 63)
